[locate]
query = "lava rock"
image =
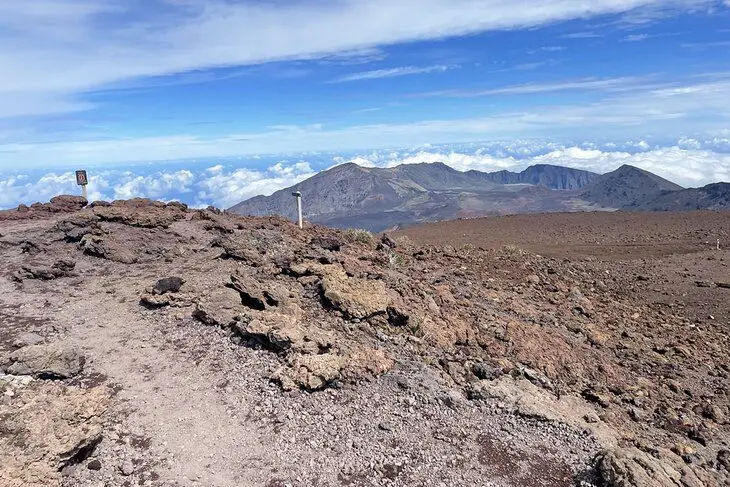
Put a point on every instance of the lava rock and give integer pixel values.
(46, 362)
(126, 468)
(168, 285)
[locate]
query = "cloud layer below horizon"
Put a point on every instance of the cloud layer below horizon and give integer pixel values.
(225, 184)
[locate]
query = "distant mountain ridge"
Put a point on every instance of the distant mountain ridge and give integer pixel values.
(627, 187)
(547, 175)
(350, 195)
(714, 196)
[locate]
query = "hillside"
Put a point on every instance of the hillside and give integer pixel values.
(711, 197)
(146, 343)
(547, 175)
(379, 198)
(627, 187)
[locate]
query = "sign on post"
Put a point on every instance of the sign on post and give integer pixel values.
(82, 180)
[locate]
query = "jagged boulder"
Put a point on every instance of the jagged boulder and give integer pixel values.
(45, 427)
(314, 372)
(60, 268)
(356, 298)
(168, 285)
(631, 467)
(220, 307)
(66, 203)
(155, 214)
(45, 362)
(282, 333)
(105, 248)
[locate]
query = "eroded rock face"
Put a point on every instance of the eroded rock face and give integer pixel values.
(58, 204)
(631, 467)
(154, 215)
(282, 333)
(356, 298)
(313, 372)
(106, 248)
(313, 359)
(45, 362)
(45, 427)
(60, 268)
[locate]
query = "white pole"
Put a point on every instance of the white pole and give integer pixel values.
(83, 192)
(298, 195)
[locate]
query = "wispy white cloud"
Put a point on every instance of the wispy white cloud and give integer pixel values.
(354, 57)
(89, 44)
(623, 107)
(546, 49)
(582, 35)
(585, 84)
(706, 45)
(636, 37)
(393, 72)
(530, 66)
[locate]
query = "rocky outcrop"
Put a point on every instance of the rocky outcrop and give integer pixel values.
(60, 268)
(549, 176)
(46, 427)
(58, 204)
(631, 467)
(106, 248)
(153, 214)
(549, 341)
(44, 362)
(356, 298)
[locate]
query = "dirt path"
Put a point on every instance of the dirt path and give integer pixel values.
(170, 406)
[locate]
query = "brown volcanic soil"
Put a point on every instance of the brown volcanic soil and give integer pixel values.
(320, 357)
(605, 235)
(662, 255)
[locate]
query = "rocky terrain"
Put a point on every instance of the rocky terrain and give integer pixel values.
(628, 187)
(379, 199)
(146, 343)
(547, 175)
(711, 197)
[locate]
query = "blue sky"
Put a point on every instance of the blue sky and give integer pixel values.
(126, 86)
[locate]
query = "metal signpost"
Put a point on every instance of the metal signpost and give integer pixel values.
(298, 195)
(82, 180)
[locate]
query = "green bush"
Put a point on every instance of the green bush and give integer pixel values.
(359, 235)
(396, 260)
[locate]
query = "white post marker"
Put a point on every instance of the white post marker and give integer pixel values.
(82, 180)
(298, 195)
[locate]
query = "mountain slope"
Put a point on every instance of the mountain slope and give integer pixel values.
(378, 198)
(381, 198)
(344, 189)
(627, 187)
(547, 175)
(438, 176)
(711, 197)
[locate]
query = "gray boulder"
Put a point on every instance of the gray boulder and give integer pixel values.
(46, 362)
